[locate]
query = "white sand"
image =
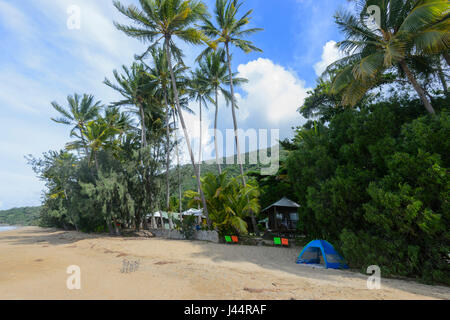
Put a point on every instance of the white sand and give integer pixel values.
(33, 265)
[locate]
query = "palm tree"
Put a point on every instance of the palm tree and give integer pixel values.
(408, 30)
(180, 192)
(230, 202)
(230, 31)
(119, 121)
(199, 91)
(160, 75)
(81, 110)
(97, 135)
(136, 88)
(214, 71)
(164, 20)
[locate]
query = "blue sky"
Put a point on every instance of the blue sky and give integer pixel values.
(42, 60)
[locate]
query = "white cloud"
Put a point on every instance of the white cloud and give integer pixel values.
(193, 127)
(271, 97)
(330, 54)
(46, 62)
(268, 101)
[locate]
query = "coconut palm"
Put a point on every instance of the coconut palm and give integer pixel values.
(230, 30)
(166, 20)
(406, 31)
(97, 135)
(81, 110)
(160, 75)
(229, 201)
(120, 122)
(136, 88)
(214, 71)
(200, 91)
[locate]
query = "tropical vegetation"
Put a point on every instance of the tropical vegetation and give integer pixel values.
(369, 168)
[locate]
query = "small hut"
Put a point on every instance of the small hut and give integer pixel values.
(283, 216)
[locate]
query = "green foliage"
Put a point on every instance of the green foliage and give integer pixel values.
(375, 182)
(28, 216)
(123, 186)
(406, 36)
(228, 201)
(187, 226)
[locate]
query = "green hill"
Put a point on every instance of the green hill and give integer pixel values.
(27, 216)
(188, 181)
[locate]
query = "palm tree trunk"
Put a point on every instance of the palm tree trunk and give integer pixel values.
(200, 148)
(167, 151)
(201, 142)
(215, 131)
(442, 78)
(183, 124)
(83, 140)
(96, 161)
(238, 151)
(71, 218)
(110, 227)
(178, 167)
(143, 129)
(447, 58)
(417, 87)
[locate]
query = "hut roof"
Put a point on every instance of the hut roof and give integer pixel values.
(285, 203)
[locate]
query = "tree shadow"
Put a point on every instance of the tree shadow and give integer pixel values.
(53, 237)
(284, 259)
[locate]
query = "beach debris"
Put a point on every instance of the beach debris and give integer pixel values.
(259, 290)
(130, 266)
(161, 263)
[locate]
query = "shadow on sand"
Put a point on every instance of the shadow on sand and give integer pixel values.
(44, 236)
(284, 259)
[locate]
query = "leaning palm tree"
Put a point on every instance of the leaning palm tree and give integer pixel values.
(136, 88)
(214, 71)
(165, 20)
(81, 111)
(230, 30)
(406, 31)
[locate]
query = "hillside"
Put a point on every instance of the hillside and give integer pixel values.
(27, 216)
(188, 181)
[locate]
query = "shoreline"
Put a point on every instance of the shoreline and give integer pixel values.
(7, 227)
(34, 261)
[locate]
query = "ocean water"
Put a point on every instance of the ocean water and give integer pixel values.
(7, 228)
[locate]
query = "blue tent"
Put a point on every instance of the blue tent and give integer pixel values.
(316, 249)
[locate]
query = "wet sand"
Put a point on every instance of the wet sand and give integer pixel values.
(34, 262)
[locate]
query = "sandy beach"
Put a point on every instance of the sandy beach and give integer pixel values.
(34, 261)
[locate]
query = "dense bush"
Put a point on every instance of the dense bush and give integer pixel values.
(375, 182)
(187, 226)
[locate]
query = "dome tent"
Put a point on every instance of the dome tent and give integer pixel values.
(316, 249)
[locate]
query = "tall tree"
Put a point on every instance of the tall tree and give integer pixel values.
(82, 109)
(164, 20)
(136, 88)
(230, 30)
(200, 91)
(406, 30)
(214, 71)
(159, 73)
(97, 135)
